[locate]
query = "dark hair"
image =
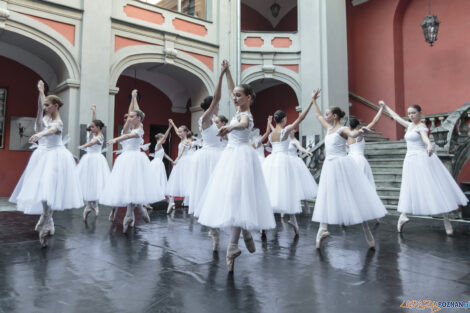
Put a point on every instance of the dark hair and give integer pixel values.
(98, 123)
(340, 113)
(206, 103)
(223, 119)
(139, 114)
(126, 116)
(353, 123)
(416, 107)
(159, 136)
(248, 91)
(185, 129)
(55, 100)
(189, 134)
(279, 115)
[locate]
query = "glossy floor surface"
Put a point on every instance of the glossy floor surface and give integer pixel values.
(168, 266)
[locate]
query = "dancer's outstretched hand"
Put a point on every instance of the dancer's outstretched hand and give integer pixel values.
(35, 138)
(41, 85)
(225, 65)
(430, 150)
(93, 108)
(316, 94)
(134, 93)
(111, 141)
(224, 130)
(382, 104)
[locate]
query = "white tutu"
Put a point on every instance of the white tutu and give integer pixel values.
(236, 194)
(179, 181)
(53, 179)
(159, 173)
(204, 164)
(427, 188)
(356, 151)
(307, 182)
(32, 163)
(284, 184)
(93, 173)
(345, 196)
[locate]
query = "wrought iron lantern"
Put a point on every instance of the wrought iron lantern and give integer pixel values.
(430, 26)
(275, 8)
(440, 136)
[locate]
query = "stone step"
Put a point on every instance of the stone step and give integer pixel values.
(387, 161)
(391, 207)
(387, 170)
(388, 191)
(387, 183)
(390, 176)
(386, 200)
(381, 154)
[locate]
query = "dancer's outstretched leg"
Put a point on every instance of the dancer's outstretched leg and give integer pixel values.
(113, 214)
(368, 234)
(87, 210)
(322, 234)
(47, 225)
(293, 221)
(402, 221)
(129, 218)
(95, 207)
(171, 205)
(448, 225)
(249, 242)
(214, 233)
(232, 250)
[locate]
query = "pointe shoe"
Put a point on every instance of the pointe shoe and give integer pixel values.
(50, 225)
(39, 223)
(144, 213)
(320, 236)
(294, 224)
(43, 238)
(96, 209)
(112, 215)
(128, 221)
(171, 207)
(232, 253)
(86, 211)
(249, 242)
(401, 222)
(214, 233)
(448, 227)
(263, 234)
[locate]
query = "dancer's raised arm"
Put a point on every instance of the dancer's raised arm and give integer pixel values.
(396, 117)
(377, 116)
(315, 96)
(299, 147)
(122, 137)
(243, 123)
(214, 107)
(162, 140)
(93, 109)
(230, 83)
(318, 112)
(134, 105)
(39, 124)
(173, 124)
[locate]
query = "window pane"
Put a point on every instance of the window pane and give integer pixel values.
(195, 8)
(167, 4)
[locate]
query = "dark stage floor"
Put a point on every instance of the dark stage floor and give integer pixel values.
(168, 266)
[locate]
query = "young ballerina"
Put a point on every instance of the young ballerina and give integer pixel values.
(131, 183)
(345, 196)
(208, 156)
(178, 185)
(257, 142)
(93, 170)
(53, 182)
(309, 186)
(157, 166)
(39, 149)
(236, 194)
(427, 188)
(357, 145)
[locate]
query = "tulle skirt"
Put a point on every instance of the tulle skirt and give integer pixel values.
(159, 173)
(204, 163)
(427, 187)
(180, 178)
(283, 182)
(131, 181)
(236, 194)
(93, 173)
(53, 179)
(307, 182)
(32, 163)
(364, 166)
(345, 196)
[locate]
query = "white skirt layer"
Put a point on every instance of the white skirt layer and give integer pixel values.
(131, 181)
(427, 188)
(53, 179)
(307, 182)
(345, 196)
(236, 194)
(93, 173)
(204, 163)
(284, 183)
(159, 173)
(32, 163)
(364, 166)
(180, 178)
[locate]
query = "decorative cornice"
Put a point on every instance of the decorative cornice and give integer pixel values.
(195, 109)
(66, 84)
(358, 2)
(113, 91)
(4, 15)
(177, 109)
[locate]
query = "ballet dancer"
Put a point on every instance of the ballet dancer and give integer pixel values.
(427, 188)
(236, 194)
(131, 183)
(53, 182)
(345, 196)
(93, 170)
(157, 165)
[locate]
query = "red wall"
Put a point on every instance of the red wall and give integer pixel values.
(252, 20)
(22, 97)
(154, 103)
(281, 97)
